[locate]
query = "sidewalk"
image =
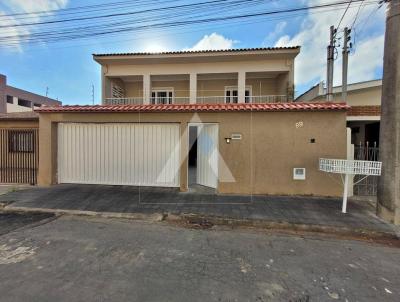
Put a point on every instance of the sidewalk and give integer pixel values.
(286, 210)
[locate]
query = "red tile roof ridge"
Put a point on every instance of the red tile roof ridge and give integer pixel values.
(237, 107)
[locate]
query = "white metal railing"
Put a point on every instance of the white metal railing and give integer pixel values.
(210, 99)
(180, 100)
(123, 101)
(268, 98)
(349, 168)
(352, 167)
(199, 100)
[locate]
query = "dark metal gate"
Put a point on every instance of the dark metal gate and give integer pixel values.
(366, 186)
(19, 156)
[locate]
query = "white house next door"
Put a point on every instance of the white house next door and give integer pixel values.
(139, 154)
(207, 155)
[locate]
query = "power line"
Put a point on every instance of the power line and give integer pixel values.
(341, 19)
(146, 23)
(149, 10)
(82, 9)
(199, 28)
(355, 18)
(357, 31)
(111, 15)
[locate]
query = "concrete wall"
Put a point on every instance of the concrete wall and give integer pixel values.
(261, 163)
(213, 87)
(23, 124)
(181, 87)
(134, 89)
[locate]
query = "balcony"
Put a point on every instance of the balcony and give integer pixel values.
(200, 88)
(199, 100)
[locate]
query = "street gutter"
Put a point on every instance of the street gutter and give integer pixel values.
(190, 220)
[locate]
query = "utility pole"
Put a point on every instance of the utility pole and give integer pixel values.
(345, 62)
(330, 61)
(47, 91)
(92, 94)
(388, 205)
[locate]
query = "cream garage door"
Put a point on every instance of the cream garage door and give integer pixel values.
(139, 154)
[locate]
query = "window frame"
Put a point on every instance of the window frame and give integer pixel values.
(234, 99)
(170, 95)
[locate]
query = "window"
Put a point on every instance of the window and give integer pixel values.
(10, 99)
(21, 141)
(162, 96)
(299, 173)
(117, 91)
(231, 94)
(24, 103)
(247, 96)
(37, 105)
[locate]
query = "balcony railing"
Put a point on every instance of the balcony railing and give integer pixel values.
(199, 100)
(268, 99)
(123, 101)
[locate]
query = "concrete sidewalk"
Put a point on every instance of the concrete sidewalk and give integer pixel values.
(293, 210)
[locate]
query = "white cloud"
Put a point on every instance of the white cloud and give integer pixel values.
(25, 6)
(313, 38)
(279, 29)
(213, 42)
(364, 62)
(12, 31)
(29, 6)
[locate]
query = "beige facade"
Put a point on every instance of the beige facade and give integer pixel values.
(261, 162)
(252, 75)
(364, 116)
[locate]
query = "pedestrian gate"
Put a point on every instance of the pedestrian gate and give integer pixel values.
(19, 156)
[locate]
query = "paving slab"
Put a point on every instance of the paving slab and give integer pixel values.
(306, 210)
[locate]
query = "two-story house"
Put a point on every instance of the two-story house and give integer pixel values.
(223, 120)
(261, 75)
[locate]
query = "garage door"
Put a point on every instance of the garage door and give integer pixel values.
(119, 154)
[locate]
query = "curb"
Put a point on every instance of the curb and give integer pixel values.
(133, 216)
(206, 222)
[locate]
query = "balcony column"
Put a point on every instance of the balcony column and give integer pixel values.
(193, 88)
(146, 88)
(241, 86)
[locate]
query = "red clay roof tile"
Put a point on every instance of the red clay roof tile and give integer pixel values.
(194, 51)
(198, 107)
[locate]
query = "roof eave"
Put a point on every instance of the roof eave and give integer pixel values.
(291, 51)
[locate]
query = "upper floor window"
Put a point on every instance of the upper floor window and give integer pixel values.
(24, 103)
(231, 94)
(162, 96)
(10, 99)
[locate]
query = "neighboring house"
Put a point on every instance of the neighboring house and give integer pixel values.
(19, 147)
(364, 116)
(219, 119)
(17, 100)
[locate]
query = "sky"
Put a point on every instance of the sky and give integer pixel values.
(66, 69)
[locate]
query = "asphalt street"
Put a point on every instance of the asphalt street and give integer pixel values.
(93, 259)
